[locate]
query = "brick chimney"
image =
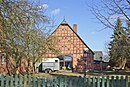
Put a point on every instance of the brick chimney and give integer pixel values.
(75, 28)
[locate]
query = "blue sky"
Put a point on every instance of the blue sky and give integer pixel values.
(77, 11)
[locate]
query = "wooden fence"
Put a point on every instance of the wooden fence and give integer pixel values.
(32, 81)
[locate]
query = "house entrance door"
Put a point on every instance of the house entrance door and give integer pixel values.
(65, 62)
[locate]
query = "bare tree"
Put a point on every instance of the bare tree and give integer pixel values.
(107, 11)
(24, 30)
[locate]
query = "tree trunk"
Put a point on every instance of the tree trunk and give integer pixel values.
(123, 63)
(27, 67)
(34, 68)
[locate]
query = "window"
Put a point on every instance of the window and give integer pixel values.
(2, 59)
(56, 60)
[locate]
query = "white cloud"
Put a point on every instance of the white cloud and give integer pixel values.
(44, 6)
(56, 11)
(92, 33)
(117, 16)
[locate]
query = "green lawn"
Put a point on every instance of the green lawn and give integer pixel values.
(67, 73)
(89, 74)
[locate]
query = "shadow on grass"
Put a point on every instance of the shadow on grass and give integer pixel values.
(108, 73)
(96, 73)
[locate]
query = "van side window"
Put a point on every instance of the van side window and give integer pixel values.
(2, 59)
(56, 60)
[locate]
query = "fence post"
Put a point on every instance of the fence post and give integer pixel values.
(108, 81)
(38, 81)
(76, 82)
(117, 81)
(126, 81)
(103, 81)
(34, 81)
(112, 81)
(122, 81)
(93, 79)
(51, 82)
(21, 80)
(84, 81)
(7, 80)
(29, 80)
(2, 80)
(73, 81)
(70, 82)
(25, 81)
(16, 80)
(98, 81)
(89, 82)
(65, 82)
(43, 82)
(57, 82)
(79, 82)
(60, 82)
(11, 81)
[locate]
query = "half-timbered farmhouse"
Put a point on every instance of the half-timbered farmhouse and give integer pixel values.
(72, 48)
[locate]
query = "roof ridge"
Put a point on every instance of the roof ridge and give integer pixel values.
(64, 21)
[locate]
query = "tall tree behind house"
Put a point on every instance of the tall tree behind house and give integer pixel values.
(119, 46)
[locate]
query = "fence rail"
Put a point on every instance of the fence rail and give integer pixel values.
(32, 81)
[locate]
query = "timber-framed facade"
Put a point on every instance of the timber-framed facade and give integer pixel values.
(71, 48)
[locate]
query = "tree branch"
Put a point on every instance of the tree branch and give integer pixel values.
(128, 1)
(121, 10)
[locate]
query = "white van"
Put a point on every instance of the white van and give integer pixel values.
(50, 64)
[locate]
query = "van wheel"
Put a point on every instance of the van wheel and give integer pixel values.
(46, 71)
(49, 71)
